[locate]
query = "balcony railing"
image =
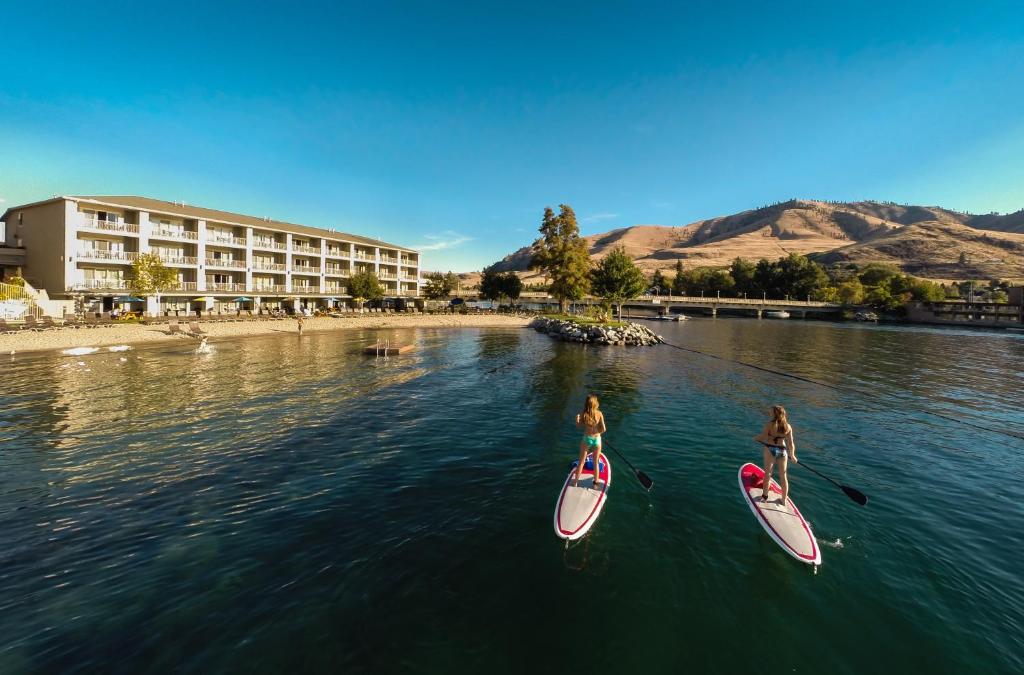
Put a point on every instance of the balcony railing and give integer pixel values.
(221, 262)
(268, 267)
(179, 260)
(364, 256)
(175, 234)
(210, 286)
(305, 289)
(187, 286)
(225, 239)
(307, 269)
(113, 284)
(336, 271)
(336, 290)
(270, 244)
(337, 252)
(109, 225)
(311, 250)
(270, 288)
(111, 256)
(387, 277)
(390, 261)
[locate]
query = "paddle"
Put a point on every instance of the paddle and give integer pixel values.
(855, 495)
(644, 479)
(852, 493)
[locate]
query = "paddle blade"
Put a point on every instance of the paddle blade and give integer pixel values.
(644, 479)
(855, 495)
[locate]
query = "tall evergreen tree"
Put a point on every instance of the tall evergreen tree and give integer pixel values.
(658, 282)
(561, 254)
(679, 282)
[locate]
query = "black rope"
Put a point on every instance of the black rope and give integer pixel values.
(1011, 434)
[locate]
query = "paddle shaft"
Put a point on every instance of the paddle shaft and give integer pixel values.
(644, 479)
(819, 473)
(852, 493)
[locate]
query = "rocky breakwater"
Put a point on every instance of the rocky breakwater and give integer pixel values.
(569, 331)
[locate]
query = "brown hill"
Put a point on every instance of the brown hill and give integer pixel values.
(923, 240)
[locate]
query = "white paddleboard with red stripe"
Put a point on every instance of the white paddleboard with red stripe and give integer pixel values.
(578, 506)
(784, 524)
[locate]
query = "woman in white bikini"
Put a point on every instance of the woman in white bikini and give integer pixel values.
(591, 421)
(777, 438)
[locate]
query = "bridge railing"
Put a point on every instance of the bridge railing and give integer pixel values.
(755, 302)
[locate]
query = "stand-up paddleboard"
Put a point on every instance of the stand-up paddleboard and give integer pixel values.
(784, 524)
(578, 506)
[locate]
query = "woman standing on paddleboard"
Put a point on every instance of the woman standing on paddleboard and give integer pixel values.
(591, 421)
(777, 438)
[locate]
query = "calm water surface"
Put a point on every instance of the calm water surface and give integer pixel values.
(288, 505)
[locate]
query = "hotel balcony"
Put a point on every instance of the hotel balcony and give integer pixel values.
(270, 288)
(364, 256)
(269, 244)
(308, 269)
(384, 276)
(109, 226)
(175, 234)
(96, 284)
(267, 267)
(335, 290)
(308, 250)
(109, 256)
(225, 239)
(186, 286)
(390, 261)
(336, 271)
(210, 286)
(179, 260)
(336, 252)
(227, 264)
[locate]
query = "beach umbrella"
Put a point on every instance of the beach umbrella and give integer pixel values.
(127, 298)
(331, 299)
(242, 299)
(205, 298)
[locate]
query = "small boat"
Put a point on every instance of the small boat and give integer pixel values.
(681, 317)
(777, 314)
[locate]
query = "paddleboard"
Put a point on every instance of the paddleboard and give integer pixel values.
(578, 506)
(784, 524)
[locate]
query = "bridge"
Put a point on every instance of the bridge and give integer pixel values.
(651, 305)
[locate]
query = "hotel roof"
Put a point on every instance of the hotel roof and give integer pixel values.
(188, 211)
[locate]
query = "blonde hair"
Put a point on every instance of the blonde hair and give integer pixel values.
(780, 424)
(589, 414)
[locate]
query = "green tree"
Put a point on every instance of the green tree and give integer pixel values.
(742, 272)
(512, 286)
(363, 286)
(678, 282)
(800, 277)
(561, 254)
(874, 274)
(149, 276)
(719, 281)
(439, 286)
(491, 285)
(658, 282)
(617, 279)
(851, 292)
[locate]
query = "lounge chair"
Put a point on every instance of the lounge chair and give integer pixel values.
(32, 324)
(174, 328)
(5, 329)
(48, 324)
(195, 329)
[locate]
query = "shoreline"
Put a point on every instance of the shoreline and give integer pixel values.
(134, 334)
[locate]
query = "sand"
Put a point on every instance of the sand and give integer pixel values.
(132, 334)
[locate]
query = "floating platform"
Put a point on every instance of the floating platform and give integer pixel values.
(386, 350)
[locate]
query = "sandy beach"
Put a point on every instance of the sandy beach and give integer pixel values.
(129, 334)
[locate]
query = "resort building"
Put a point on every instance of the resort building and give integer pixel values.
(83, 248)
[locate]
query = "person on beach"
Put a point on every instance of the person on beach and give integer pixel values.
(779, 447)
(591, 422)
(300, 325)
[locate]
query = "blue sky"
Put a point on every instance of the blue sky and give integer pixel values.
(449, 126)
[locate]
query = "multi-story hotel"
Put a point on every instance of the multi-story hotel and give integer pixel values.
(85, 246)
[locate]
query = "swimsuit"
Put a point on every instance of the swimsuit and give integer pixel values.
(778, 450)
(592, 441)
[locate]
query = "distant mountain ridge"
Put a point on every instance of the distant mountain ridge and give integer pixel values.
(923, 240)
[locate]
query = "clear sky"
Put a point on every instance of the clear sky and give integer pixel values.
(449, 126)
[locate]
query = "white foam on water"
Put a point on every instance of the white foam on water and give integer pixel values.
(838, 543)
(119, 348)
(80, 351)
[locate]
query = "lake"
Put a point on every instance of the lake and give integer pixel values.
(287, 504)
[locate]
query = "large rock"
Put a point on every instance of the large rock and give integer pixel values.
(631, 334)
